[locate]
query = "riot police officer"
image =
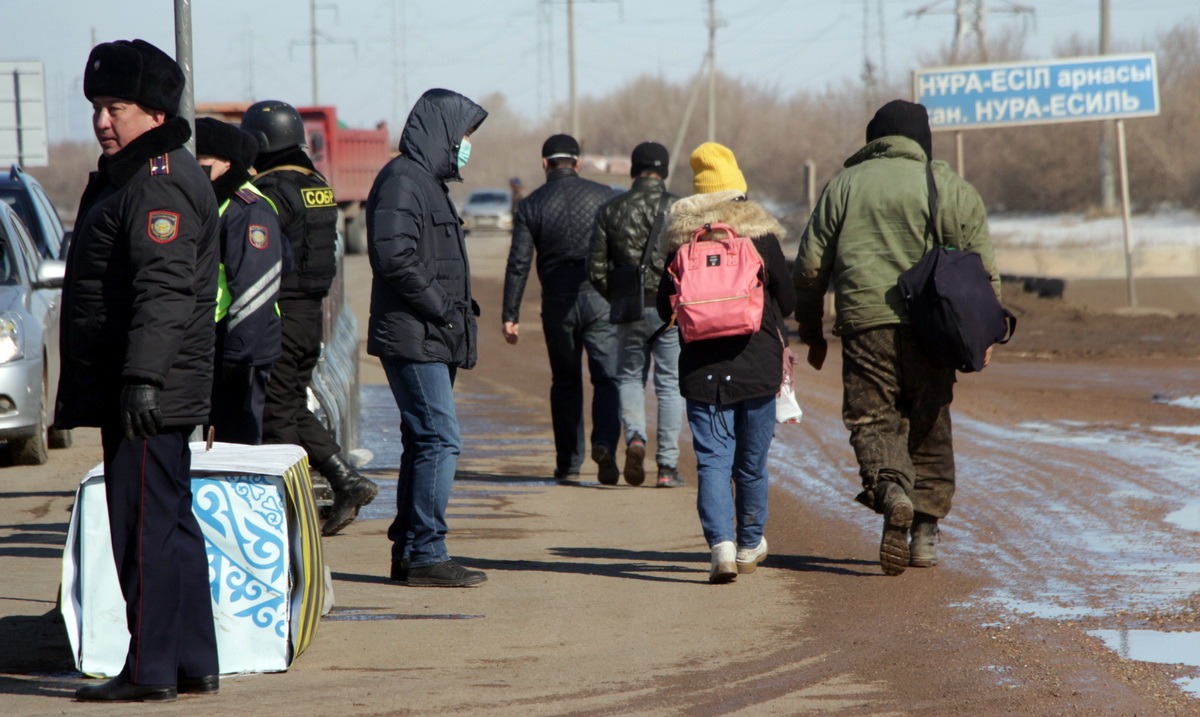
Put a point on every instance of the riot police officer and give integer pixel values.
(308, 215)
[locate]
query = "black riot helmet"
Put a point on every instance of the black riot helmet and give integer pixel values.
(275, 124)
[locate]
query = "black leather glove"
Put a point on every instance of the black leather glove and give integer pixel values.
(140, 417)
(240, 375)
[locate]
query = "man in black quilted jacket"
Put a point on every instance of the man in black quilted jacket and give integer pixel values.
(624, 227)
(557, 221)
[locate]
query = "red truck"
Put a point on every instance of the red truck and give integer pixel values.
(348, 158)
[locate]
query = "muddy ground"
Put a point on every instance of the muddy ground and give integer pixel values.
(1077, 469)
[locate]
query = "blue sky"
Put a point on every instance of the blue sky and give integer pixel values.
(377, 56)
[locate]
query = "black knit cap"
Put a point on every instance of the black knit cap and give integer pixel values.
(560, 145)
(134, 70)
(227, 141)
(904, 119)
(649, 157)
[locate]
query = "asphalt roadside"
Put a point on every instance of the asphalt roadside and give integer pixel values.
(597, 598)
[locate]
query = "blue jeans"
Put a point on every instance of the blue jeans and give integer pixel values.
(633, 368)
(573, 323)
(732, 442)
(430, 442)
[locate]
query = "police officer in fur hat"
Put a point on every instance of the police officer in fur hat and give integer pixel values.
(252, 262)
(137, 360)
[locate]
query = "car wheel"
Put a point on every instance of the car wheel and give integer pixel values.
(32, 450)
(60, 438)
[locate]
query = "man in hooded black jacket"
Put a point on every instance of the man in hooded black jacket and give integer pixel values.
(422, 325)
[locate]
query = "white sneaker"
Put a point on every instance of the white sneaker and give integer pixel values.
(749, 558)
(724, 565)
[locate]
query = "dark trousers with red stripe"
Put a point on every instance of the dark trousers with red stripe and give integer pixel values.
(160, 556)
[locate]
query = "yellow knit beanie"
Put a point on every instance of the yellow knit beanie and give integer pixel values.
(715, 169)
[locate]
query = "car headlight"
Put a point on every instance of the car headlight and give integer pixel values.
(11, 345)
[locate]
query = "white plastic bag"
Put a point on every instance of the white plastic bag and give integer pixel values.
(787, 410)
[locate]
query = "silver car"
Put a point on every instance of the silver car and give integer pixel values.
(30, 293)
(488, 209)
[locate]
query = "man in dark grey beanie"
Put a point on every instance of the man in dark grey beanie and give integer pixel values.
(137, 360)
(625, 241)
(870, 225)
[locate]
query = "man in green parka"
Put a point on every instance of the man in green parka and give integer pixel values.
(869, 226)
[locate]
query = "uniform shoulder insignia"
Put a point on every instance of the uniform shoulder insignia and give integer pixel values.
(160, 165)
(258, 236)
(246, 196)
(162, 226)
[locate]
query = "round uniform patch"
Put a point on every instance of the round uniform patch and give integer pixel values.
(258, 236)
(162, 226)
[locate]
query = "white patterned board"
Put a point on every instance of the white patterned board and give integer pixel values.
(244, 518)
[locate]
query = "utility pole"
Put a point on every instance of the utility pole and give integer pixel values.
(969, 23)
(574, 104)
(1108, 186)
(312, 37)
(183, 55)
(712, 70)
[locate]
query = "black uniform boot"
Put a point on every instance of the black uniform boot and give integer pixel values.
(350, 493)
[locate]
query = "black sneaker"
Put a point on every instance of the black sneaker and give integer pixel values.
(448, 574)
(609, 473)
(566, 477)
(400, 570)
(668, 477)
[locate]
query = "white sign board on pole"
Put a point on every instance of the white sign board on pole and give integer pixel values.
(24, 138)
(1039, 91)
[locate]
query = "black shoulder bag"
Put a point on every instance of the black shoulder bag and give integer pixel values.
(627, 283)
(951, 305)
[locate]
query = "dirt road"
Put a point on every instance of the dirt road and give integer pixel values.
(1076, 520)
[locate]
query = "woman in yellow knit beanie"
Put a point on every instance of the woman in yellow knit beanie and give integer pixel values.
(730, 383)
(715, 169)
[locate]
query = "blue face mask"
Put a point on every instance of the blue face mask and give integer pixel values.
(464, 153)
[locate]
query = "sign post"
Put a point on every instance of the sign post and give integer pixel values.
(1043, 92)
(23, 132)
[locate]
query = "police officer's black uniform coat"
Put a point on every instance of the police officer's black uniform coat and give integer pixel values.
(141, 284)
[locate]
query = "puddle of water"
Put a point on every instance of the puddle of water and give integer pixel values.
(360, 617)
(1178, 430)
(1170, 648)
(1182, 402)
(1187, 517)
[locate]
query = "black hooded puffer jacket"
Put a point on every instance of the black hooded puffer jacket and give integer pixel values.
(421, 304)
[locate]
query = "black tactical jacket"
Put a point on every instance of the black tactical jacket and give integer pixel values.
(622, 228)
(141, 285)
(308, 215)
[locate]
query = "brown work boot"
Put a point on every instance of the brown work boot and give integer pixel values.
(897, 518)
(635, 454)
(922, 548)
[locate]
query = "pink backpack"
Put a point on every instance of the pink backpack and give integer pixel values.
(718, 291)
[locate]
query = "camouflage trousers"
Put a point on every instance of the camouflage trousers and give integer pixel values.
(896, 405)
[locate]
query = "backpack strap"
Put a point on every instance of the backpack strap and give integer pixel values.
(660, 221)
(931, 229)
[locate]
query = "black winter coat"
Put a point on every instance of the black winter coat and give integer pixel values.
(734, 368)
(557, 219)
(622, 228)
(141, 285)
(421, 304)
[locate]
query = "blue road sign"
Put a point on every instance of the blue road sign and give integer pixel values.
(1039, 92)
